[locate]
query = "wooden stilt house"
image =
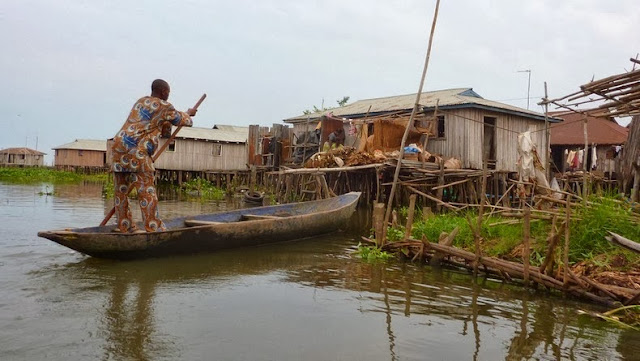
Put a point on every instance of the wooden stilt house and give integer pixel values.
(82, 153)
(21, 157)
(458, 122)
(602, 137)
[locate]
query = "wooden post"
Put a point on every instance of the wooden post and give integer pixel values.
(378, 222)
(288, 185)
(585, 157)
(635, 191)
(552, 240)
(547, 133)
(447, 241)
(318, 185)
(477, 234)
(526, 249)
(567, 232)
(440, 190)
(412, 206)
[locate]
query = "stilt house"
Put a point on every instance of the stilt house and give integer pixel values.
(84, 153)
(223, 148)
(21, 157)
(459, 123)
(604, 139)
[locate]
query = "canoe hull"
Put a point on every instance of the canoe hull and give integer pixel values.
(303, 220)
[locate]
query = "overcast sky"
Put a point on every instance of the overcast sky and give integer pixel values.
(73, 68)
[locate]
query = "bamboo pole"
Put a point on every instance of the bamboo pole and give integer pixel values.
(526, 249)
(413, 114)
(567, 232)
(439, 191)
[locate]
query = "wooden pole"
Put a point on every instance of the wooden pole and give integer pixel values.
(412, 206)
(378, 222)
(526, 249)
(440, 191)
(411, 118)
(567, 232)
(478, 233)
(547, 132)
(585, 158)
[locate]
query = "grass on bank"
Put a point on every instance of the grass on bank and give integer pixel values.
(47, 175)
(195, 189)
(587, 235)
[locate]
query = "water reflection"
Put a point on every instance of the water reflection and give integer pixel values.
(130, 326)
(423, 309)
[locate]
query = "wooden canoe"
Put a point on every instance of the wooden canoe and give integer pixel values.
(215, 231)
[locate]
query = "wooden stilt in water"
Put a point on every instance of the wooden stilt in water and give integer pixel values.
(412, 206)
(526, 246)
(378, 222)
(565, 260)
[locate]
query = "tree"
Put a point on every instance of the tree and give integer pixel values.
(342, 102)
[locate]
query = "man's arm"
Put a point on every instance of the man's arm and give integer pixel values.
(178, 118)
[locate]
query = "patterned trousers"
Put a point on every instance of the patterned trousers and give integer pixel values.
(143, 182)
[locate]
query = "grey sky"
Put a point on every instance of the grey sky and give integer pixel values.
(72, 69)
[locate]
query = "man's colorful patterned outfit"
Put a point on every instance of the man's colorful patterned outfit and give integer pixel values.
(132, 164)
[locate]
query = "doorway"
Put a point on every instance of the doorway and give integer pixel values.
(489, 142)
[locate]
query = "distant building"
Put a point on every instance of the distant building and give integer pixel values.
(467, 126)
(21, 157)
(223, 148)
(603, 134)
(88, 153)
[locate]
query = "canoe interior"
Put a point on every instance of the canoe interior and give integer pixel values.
(246, 214)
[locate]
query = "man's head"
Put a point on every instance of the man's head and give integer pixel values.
(160, 89)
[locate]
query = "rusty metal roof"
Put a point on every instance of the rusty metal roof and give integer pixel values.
(85, 144)
(229, 134)
(447, 99)
(21, 150)
(600, 130)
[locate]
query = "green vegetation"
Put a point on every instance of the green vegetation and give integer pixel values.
(603, 214)
(47, 175)
(587, 235)
(341, 102)
(372, 253)
(624, 317)
(202, 189)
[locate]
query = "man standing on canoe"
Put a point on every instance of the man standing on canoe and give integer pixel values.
(132, 151)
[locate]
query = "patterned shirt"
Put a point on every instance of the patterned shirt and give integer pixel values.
(137, 140)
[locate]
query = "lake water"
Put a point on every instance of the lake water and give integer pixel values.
(306, 300)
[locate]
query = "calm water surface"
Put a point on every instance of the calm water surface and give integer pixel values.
(306, 300)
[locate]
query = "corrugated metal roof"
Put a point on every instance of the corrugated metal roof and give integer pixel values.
(600, 130)
(449, 98)
(21, 150)
(236, 135)
(85, 144)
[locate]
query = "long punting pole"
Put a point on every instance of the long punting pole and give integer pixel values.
(406, 130)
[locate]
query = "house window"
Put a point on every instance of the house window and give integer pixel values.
(80, 153)
(441, 126)
(22, 156)
(217, 150)
(172, 146)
